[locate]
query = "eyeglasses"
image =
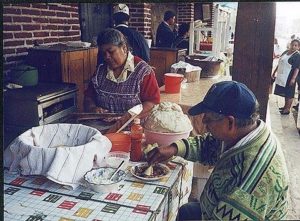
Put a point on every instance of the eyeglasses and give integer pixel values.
(207, 120)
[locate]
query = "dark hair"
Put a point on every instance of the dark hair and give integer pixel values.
(111, 36)
(183, 28)
(168, 15)
(296, 40)
(120, 18)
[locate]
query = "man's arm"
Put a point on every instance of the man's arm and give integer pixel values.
(202, 148)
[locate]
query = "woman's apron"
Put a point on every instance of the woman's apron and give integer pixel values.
(284, 69)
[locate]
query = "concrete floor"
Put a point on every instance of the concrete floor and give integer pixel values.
(285, 129)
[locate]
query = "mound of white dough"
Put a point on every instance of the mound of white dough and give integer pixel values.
(168, 117)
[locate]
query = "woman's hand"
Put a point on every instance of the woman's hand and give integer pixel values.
(119, 123)
(99, 110)
(90, 106)
(273, 76)
(292, 82)
(160, 154)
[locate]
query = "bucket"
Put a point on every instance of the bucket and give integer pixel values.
(173, 83)
(120, 141)
(25, 75)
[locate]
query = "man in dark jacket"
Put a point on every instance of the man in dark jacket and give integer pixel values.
(136, 40)
(182, 39)
(164, 35)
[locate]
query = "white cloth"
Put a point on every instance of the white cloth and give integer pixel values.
(61, 152)
(283, 70)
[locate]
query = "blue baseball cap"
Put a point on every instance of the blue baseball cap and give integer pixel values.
(229, 98)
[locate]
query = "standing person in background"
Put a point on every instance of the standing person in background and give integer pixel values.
(136, 41)
(277, 50)
(164, 35)
(289, 43)
(287, 72)
(182, 40)
(296, 107)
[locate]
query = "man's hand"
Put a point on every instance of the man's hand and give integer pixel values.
(160, 154)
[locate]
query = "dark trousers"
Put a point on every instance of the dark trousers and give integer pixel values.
(189, 211)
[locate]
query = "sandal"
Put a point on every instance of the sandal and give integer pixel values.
(284, 112)
(296, 107)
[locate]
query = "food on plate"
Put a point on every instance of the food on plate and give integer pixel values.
(149, 147)
(168, 117)
(158, 171)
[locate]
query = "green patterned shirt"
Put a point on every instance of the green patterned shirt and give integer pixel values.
(249, 181)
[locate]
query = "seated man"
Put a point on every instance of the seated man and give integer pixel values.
(250, 178)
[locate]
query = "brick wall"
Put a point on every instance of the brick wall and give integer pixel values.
(140, 18)
(25, 24)
(185, 12)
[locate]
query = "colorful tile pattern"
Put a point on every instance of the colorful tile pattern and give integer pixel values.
(33, 198)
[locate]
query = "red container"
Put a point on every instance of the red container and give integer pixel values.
(136, 140)
(120, 141)
(173, 83)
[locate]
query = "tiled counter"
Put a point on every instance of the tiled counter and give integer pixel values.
(37, 198)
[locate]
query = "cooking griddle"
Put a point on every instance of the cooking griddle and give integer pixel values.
(95, 120)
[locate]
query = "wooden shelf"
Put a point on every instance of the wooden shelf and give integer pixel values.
(62, 64)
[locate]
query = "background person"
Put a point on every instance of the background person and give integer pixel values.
(164, 34)
(122, 81)
(277, 51)
(136, 40)
(287, 71)
(250, 178)
(296, 107)
(182, 40)
(289, 43)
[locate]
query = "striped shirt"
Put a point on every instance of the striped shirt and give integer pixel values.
(249, 181)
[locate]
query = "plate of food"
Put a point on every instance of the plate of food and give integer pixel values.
(158, 171)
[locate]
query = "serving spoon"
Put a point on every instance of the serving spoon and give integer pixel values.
(117, 170)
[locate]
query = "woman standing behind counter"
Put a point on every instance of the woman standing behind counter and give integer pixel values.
(122, 81)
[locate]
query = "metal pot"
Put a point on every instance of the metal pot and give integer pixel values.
(24, 75)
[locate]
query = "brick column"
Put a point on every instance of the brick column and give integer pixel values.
(185, 12)
(140, 18)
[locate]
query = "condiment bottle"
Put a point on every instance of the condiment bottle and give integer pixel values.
(136, 140)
